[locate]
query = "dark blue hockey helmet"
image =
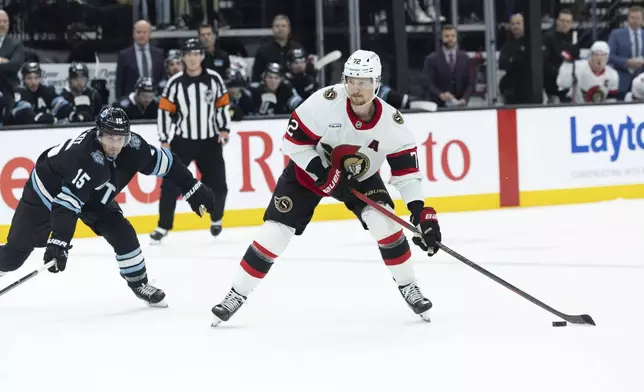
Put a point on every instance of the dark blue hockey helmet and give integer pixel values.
(296, 54)
(29, 68)
(113, 121)
(273, 68)
(234, 78)
(78, 69)
(145, 84)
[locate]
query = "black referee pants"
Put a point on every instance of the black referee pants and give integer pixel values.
(208, 155)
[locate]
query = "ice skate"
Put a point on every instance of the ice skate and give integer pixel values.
(416, 300)
(153, 296)
(227, 308)
(215, 228)
(157, 235)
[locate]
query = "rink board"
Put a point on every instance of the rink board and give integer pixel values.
(471, 160)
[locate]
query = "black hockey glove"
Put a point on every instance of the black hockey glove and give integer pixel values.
(200, 198)
(424, 218)
(56, 249)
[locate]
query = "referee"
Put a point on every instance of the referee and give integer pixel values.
(194, 115)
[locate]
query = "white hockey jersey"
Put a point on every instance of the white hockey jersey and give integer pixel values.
(591, 87)
(326, 126)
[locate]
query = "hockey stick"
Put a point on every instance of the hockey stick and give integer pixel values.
(327, 59)
(573, 319)
(27, 277)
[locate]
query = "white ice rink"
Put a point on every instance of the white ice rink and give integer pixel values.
(328, 317)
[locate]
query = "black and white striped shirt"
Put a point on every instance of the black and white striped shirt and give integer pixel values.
(193, 107)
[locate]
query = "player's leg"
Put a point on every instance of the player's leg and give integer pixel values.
(392, 243)
(288, 213)
(184, 150)
(210, 163)
(30, 228)
(110, 224)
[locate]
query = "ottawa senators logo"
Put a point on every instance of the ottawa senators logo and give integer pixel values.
(283, 204)
(348, 158)
(357, 165)
(330, 94)
(398, 118)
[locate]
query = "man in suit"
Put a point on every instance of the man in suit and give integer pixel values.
(12, 56)
(626, 51)
(139, 60)
(448, 73)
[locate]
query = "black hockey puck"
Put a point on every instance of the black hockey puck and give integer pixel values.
(559, 323)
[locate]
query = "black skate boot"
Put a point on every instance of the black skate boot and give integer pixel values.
(151, 295)
(215, 228)
(225, 310)
(157, 235)
(416, 300)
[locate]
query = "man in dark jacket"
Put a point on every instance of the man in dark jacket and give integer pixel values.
(515, 85)
(215, 58)
(277, 49)
(555, 42)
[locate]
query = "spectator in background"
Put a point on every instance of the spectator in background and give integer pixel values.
(139, 60)
(626, 50)
(139, 10)
(215, 58)
(273, 95)
(448, 72)
(515, 85)
(181, 12)
(162, 14)
(276, 50)
(86, 101)
(142, 104)
(173, 64)
(555, 42)
(12, 56)
(305, 84)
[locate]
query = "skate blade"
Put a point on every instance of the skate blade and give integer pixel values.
(161, 304)
(215, 321)
(425, 316)
(155, 242)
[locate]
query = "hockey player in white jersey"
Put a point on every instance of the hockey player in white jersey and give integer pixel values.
(337, 140)
(595, 80)
(637, 90)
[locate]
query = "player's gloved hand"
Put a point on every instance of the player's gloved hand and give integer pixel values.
(56, 249)
(424, 218)
(201, 198)
(336, 183)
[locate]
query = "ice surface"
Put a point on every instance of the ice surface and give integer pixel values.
(329, 318)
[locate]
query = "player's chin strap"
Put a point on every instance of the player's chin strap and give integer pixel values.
(27, 277)
(573, 319)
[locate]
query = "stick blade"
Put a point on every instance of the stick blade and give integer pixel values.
(581, 319)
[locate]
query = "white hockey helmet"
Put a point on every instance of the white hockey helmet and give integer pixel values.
(637, 89)
(600, 47)
(363, 64)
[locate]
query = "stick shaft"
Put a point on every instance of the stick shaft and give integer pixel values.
(466, 261)
(26, 277)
